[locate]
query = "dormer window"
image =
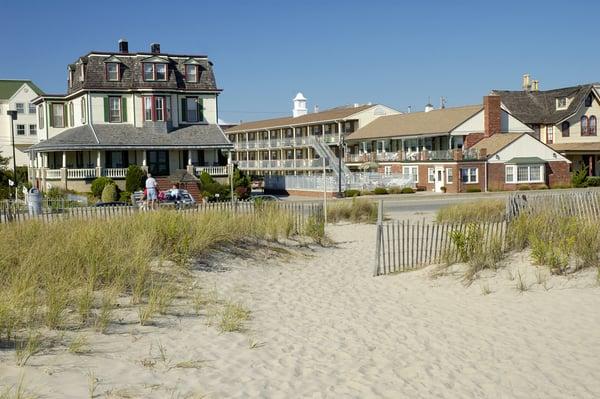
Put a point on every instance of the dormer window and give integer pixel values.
(588, 100)
(561, 103)
(155, 72)
(191, 73)
(112, 72)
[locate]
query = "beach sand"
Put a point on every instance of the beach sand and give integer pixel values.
(323, 327)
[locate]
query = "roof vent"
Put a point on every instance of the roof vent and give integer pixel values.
(316, 111)
(123, 46)
(155, 48)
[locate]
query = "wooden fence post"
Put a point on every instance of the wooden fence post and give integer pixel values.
(378, 238)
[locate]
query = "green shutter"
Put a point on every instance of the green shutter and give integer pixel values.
(50, 114)
(200, 110)
(183, 110)
(106, 109)
(65, 115)
(124, 109)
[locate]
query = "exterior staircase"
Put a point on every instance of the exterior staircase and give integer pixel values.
(164, 183)
(332, 160)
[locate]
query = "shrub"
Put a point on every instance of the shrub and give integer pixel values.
(357, 210)
(443, 188)
(473, 190)
(351, 193)
(380, 191)
(578, 178)
(98, 185)
(109, 194)
(407, 190)
(593, 181)
(210, 187)
(421, 188)
(134, 180)
(55, 193)
(125, 196)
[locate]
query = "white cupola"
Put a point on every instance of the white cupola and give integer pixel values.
(299, 105)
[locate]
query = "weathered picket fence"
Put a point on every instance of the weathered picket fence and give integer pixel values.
(406, 245)
(581, 202)
(11, 212)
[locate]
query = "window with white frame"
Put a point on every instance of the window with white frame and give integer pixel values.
(524, 173)
(20, 107)
(32, 130)
(71, 114)
(160, 71)
(148, 108)
(387, 170)
(31, 108)
(449, 175)
(112, 71)
(20, 130)
(114, 107)
(83, 110)
(412, 171)
(191, 73)
(561, 103)
(469, 175)
(192, 109)
(148, 71)
(58, 115)
(430, 175)
(159, 108)
(41, 116)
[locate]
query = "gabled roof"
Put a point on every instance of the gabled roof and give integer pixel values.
(534, 107)
(8, 87)
(496, 142)
(440, 121)
(323, 116)
(129, 136)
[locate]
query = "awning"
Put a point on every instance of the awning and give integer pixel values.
(525, 161)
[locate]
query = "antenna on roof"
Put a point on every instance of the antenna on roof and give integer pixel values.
(442, 102)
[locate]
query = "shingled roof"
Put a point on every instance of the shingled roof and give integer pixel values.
(8, 87)
(534, 107)
(323, 116)
(496, 142)
(438, 121)
(107, 136)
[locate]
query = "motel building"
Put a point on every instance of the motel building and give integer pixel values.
(471, 148)
(153, 109)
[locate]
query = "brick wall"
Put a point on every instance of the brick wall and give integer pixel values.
(472, 138)
(557, 174)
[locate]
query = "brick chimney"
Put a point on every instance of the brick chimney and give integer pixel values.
(491, 115)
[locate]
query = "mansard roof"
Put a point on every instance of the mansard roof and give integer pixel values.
(533, 107)
(125, 136)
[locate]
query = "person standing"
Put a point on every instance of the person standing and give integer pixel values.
(152, 191)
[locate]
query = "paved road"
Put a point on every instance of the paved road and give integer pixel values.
(432, 203)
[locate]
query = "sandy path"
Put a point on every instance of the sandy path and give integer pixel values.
(327, 329)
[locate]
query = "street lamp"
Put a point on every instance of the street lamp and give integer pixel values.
(13, 118)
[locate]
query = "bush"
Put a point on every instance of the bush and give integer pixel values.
(109, 193)
(593, 181)
(125, 196)
(357, 210)
(421, 188)
(473, 190)
(472, 212)
(98, 185)
(210, 188)
(578, 179)
(351, 193)
(380, 191)
(134, 180)
(407, 190)
(55, 193)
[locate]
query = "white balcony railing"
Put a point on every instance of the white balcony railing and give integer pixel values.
(212, 170)
(52, 174)
(282, 164)
(77, 174)
(115, 173)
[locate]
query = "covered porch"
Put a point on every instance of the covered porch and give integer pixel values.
(581, 155)
(75, 169)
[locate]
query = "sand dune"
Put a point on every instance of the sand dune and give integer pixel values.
(322, 327)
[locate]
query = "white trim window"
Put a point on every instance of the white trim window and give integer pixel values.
(192, 109)
(191, 73)
(160, 72)
(387, 170)
(430, 175)
(524, 173)
(32, 130)
(412, 171)
(20, 130)
(112, 71)
(147, 108)
(83, 111)
(449, 175)
(31, 108)
(114, 107)
(58, 115)
(469, 175)
(20, 108)
(159, 108)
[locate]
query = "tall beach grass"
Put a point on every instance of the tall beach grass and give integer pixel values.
(472, 212)
(356, 210)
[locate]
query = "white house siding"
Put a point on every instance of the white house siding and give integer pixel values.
(370, 114)
(476, 124)
(526, 146)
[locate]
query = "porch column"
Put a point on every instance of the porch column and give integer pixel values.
(98, 163)
(339, 131)
(190, 167)
(63, 170)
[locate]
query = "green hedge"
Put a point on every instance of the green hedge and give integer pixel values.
(98, 185)
(351, 193)
(593, 181)
(473, 190)
(380, 191)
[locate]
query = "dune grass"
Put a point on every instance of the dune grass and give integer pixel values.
(71, 274)
(356, 210)
(472, 212)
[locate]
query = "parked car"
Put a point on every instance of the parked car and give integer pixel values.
(263, 197)
(112, 203)
(185, 198)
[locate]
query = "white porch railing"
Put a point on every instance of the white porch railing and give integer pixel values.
(358, 181)
(77, 174)
(212, 170)
(52, 174)
(282, 164)
(116, 173)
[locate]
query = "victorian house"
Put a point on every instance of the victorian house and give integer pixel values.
(153, 109)
(565, 118)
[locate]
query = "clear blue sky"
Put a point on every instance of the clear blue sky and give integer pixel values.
(335, 52)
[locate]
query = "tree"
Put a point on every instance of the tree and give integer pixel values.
(579, 177)
(241, 183)
(109, 193)
(134, 180)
